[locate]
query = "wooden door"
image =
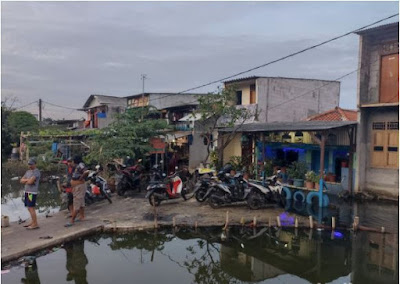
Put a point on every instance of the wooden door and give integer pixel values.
(389, 85)
(378, 148)
(392, 149)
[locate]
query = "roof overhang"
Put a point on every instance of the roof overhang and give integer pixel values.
(291, 126)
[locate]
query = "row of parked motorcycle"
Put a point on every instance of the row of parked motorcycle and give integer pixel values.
(218, 189)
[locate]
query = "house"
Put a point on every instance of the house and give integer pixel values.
(378, 106)
(101, 110)
(175, 109)
(285, 99)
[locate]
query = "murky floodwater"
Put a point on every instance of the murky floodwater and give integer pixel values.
(12, 201)
(262, 255)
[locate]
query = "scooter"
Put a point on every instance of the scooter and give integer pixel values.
(130, 178)
(171, 188)
(230, 190)
(97, 188)
(260, 195)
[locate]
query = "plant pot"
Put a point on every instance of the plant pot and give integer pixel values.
(298, 182)
(310, 184)
(331, 178)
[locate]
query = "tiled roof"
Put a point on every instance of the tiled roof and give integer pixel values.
(336, 114)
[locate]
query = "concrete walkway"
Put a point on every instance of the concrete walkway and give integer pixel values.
(124, 214)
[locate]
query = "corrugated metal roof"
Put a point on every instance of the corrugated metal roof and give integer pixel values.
(103, 99)
(379, 28)
(291, 126)
(272, 77)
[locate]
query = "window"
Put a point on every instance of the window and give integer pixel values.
(385, 143)
(252, 94)
(238, 97)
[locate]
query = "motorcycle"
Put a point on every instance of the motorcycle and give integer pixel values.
(230, 190)
(171, 188)
(260, 195)
(97, 188)
(130, 178)
(205, 181)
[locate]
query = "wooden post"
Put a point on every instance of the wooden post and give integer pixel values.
(255, 221)
(242, 221)
(321, 167)
(382, 230)
(173, 222)
(356, 223)
(311, 222)
(155, 212)
(195, 226)
(296, 223)
(269, 222)
(351, 154)
(226, 220)
(278, 221)
(333, 223)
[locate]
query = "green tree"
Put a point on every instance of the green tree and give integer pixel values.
(21, 121)
(6, 139)
(220, 110)
(128, 135)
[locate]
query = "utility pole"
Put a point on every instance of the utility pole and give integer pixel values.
(40, 111)
(143, 77)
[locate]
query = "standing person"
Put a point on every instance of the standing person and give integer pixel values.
(78, 189)
(68, 187)
(31, 181)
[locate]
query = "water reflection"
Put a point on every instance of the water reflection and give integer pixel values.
(76, 262)
(31, 273)
(239, 255)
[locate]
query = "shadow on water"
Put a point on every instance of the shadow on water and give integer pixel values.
(208, 255)
(372, 214)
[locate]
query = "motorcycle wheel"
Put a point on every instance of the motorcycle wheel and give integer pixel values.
(156, 200)
(121, 187)
(108, 198)
(254, 201)
(200, 195)
(214, 201)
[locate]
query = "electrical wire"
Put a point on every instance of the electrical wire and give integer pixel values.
(60, 106)
(282, 58)
(26, 105)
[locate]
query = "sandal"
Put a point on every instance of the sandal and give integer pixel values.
(32, 228)
(27, 225)
(68, 225)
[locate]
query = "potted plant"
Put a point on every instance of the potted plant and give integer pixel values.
(316, 182)
(310, 179)
(331, 177)
(297, 171)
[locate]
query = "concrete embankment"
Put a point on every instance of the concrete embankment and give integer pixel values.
(124, 214)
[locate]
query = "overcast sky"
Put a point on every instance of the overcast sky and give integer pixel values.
(64, 51)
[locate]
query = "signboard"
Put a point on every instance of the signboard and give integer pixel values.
(158, 144)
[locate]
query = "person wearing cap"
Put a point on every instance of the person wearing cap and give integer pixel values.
(31, 181)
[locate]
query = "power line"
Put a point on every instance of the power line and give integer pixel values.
(26, 105)
(60, 106)
(282, 58)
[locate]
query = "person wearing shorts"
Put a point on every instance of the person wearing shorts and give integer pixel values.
(78, 189)
(31, 181)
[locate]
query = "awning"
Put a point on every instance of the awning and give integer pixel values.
(175, 135)
(191, 117)
(291, 126)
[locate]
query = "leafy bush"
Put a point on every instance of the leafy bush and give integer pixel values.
(297, 170)
(236, 162)
(311, 176)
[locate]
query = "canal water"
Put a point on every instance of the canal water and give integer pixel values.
(207, 255)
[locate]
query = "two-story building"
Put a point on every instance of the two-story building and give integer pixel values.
(176, 110)
(101, 110)
(276, 99)
(378, 106)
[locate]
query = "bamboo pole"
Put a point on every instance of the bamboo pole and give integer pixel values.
(278, 221)
(296, 223)
(255, 221)
(226, 220)
(356, 223)
(333, 223)
(311, 222)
